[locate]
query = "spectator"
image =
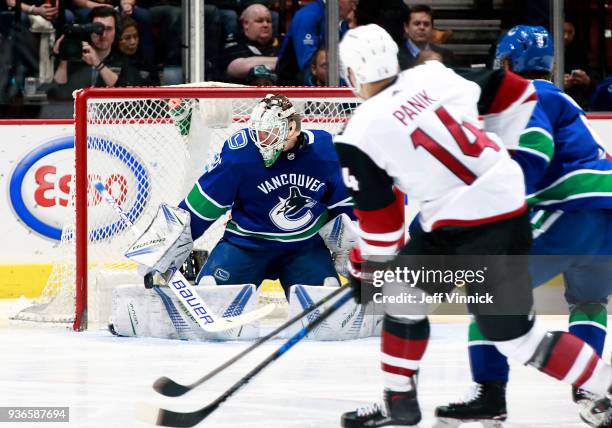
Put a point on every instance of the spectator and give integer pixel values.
(144, 19)
(306, 34)
(100, 64)
(318, 69)
(578, 78)
(129, 44)
(257, 46)
(418, 31)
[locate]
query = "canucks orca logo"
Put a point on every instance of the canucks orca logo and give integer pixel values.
(293, 212)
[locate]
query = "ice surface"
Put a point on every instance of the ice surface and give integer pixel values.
(101, 378)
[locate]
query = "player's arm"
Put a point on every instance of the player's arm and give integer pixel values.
(305, 40)
(378, 207)
(535, 148)
(506, 102)
(212, 195)
(337, 197)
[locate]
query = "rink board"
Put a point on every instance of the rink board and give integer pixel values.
(27, 253)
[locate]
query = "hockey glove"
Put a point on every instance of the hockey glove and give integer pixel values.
(340, 235)
(165, 244)
(365, 276)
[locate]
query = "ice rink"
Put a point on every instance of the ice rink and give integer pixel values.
(101, 378)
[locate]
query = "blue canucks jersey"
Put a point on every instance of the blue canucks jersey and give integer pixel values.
(279, 207)
(565, 165)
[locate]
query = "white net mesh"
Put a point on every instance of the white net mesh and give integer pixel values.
(148, 151)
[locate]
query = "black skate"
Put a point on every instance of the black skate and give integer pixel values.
(399, 409)
(486, 404)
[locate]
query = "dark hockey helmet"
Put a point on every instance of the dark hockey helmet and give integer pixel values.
(529, 48)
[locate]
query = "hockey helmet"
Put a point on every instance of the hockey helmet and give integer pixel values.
(269, 125)
(370, 52)
(528, 48)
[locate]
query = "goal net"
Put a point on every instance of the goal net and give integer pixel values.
(147, 146)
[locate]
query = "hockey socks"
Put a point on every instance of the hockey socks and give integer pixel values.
(562, 356)
(486, 362)
(589, 322)
(402, 346)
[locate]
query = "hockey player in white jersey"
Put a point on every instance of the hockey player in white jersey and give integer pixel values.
(418, 132)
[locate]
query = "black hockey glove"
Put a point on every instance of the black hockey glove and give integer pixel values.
(365, 277)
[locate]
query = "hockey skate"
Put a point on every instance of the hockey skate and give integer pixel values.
(486, 403)
(591, 408)
(398, 409)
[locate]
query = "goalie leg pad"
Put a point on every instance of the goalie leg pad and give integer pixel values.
(157, 312)
(351, 321)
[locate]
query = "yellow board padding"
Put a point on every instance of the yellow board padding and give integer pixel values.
(23, 280)
(269, 286)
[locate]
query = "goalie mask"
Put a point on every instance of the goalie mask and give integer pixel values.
(269, 126)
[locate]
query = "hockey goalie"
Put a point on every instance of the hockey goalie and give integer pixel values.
(291, 218)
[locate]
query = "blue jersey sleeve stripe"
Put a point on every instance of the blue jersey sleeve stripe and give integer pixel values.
(537, 141)
(211, 200)
(202, 207)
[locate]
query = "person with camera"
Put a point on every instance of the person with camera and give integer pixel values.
(88, 57)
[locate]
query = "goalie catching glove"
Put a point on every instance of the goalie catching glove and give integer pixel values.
(165, 244)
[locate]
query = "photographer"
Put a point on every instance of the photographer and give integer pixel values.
(99, 63)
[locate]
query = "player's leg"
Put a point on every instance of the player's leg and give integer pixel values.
(230, 264)
(404, 339)
(489, 367)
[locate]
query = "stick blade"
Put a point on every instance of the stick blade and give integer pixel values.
(146, 412)
(169, 418)
(169, 388)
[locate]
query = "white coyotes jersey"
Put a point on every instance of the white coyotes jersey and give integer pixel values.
(424, 131)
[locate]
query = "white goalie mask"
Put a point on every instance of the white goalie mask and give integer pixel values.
(371, 53)
(269, 126)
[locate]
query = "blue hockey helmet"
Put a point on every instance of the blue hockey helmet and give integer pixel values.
(528, 48)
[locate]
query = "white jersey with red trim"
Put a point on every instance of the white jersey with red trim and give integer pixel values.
(422, 135)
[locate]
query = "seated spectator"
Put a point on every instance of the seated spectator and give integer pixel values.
(318, 69)
(257, 46)
(578, 78)
(418, 32)
(129, 43)
(261, 75)
(144, 19)
(101, 64)
(307, 34)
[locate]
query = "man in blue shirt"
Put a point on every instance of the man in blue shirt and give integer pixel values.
(306, 34)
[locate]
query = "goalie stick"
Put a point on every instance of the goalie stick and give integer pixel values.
(171, 388)
(170, 418)
(185, 292)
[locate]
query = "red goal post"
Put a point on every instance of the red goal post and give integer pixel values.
(145, 144)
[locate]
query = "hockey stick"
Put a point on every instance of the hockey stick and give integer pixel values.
(163, 417)
(171, 388)
(185, 292)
